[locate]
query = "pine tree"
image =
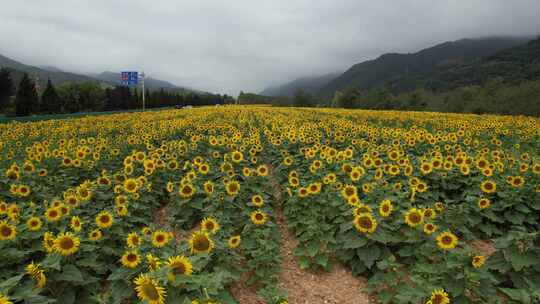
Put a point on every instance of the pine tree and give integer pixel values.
(27, 100)
(6, 88)
(50, 101)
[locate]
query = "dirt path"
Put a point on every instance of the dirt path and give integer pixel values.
(338, 286)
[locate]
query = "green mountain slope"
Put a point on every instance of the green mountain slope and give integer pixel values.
(57, 77)
(404, 72)
(513, 66)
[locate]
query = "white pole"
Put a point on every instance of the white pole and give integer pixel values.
(143, 92)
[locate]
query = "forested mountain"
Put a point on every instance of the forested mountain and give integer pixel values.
(405, 72)
(511, 66)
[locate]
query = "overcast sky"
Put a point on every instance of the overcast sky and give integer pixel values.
(228, 46)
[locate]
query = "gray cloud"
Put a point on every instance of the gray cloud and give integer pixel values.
(228, 46)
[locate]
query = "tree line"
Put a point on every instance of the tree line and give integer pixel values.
(25, 99)
(494, 97)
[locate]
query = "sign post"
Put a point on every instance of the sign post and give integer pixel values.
(131, 78)
(143, 91)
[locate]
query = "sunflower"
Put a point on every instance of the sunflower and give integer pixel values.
(414, 217)
(237, 156)
(365, 223)
(385, 208)
(186, 190)
(447, 240)
(149, 290)
(14, 189)
(64, 210)
(7, 231)
(294, 181)
(232, 188)
(348, 190)
(262, 170)
(104, 181)
(429, 213)
(4, 299)
(439, 206)
(179, 265)
(488, 186)
(234, 241)
(121, 200)
(160, 238)
(35, 271)
(133, 240)
(130, 259)
(72, 200)
(131, 185)
(353, 200)
(478, 261)
(246, 172)
(12, 174)
(13, 212)
(303, 192)
(356, 173)
(536, 168)
(66, 243)
(48, 241)
(518, 181)
(23, 190)
(314, 188)
(208, 187)
(76, 224)
(429, 228)
(210, 224)
(34, 223)
(361, 208)
(421, 187)
(439, 296)
(53, 214)
(84, 194)
(146, 231)
(3, 208)
(484, 203)
(287, 161)
(257, 200)
(258, 217)
(121, 210)
(153, 262)
(104, 220)
(200, 242)
(426, 168)
(95, 235)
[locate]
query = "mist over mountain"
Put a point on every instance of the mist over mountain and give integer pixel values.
(310, 85)
(40, 74)
(149, 82)
(58, 76)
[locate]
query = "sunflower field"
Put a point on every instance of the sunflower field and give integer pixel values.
(174, 206)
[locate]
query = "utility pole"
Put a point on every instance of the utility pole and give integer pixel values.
(143, 91)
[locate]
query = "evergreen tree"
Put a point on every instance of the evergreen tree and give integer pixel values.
(27, 100)
(302, 99)
(113, 99)
(6, 88)
(50, 101)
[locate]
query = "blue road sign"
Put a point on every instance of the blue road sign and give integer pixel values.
(130, 78)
